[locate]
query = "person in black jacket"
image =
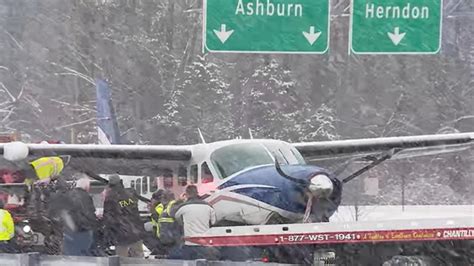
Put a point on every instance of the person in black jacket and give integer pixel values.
(76, 212)
(122, 219)
(57, 205)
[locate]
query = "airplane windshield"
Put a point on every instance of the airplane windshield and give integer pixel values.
(232, 159)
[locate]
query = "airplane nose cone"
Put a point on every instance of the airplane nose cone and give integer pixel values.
(320, 186)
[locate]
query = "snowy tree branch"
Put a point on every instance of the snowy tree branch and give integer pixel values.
(75, 124)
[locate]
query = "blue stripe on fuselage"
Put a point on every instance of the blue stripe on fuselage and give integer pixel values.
(284, 194)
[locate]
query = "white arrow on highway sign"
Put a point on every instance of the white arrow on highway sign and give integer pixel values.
(311, 36)
(223, 35)
(396, 36)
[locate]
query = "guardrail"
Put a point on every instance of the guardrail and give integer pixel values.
(36, 259)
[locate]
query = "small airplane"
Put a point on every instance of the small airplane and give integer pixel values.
(247, 181)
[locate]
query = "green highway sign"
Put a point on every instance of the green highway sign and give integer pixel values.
(396, 26)
(266, 26)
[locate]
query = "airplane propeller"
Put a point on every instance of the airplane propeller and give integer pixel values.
(319, 185)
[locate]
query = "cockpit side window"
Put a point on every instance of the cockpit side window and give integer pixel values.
(298, 155)
(182, 176)
(194, 174)
(139, 186)
(144, 185)
(280, 157)
(206, 175)
(168, 179)
(285, 153)
(153, 184)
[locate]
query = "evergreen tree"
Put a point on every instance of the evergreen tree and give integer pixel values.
(270, 106)
(320, 124)
(200, 100)
(275, 107)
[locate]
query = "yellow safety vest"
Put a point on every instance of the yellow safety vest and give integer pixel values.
(7, 227)
(160, 211)
(47, 167)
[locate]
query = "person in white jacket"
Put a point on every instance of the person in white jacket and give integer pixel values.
(196, 216)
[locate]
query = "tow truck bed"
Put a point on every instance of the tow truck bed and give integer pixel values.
(459, 228)
(348, 243)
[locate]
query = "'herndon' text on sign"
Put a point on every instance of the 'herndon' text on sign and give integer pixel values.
(396, 12)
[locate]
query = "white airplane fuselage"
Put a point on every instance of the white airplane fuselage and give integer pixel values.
(238, 178)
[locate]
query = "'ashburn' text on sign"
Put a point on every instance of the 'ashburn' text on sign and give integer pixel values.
(268, 8)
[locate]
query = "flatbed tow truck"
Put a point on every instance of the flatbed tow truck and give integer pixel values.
(433, 241)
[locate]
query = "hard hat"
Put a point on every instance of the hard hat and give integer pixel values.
(114, 180)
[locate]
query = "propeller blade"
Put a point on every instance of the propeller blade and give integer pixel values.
(304, 183)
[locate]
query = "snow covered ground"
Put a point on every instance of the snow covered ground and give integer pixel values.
(396, 212)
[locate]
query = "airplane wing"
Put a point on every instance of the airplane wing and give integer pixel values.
(149, 159)
(165, 152)
(109, 159)
(409, 146)
(375, 151)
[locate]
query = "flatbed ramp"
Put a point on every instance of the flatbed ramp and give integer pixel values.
(244, 243)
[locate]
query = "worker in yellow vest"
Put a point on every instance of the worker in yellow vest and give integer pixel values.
(164, 206)
(42, 169)
(47, 167)
(7, 230)
(169, 231)
(152, 239)
(156, 208)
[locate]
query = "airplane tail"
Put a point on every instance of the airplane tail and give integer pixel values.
(107, 126)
